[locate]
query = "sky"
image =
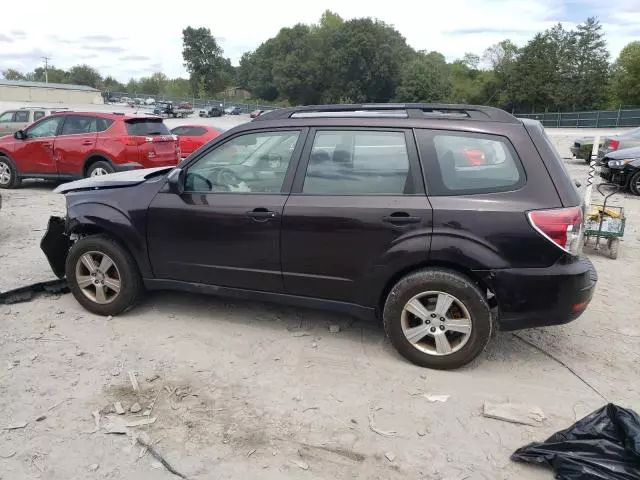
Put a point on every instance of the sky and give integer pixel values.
(135, 38)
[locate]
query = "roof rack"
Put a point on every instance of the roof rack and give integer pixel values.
(403, 110)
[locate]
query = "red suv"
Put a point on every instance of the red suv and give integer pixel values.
(73, 145)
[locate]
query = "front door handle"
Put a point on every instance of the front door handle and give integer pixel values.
(87, 142)
(261, 214)
(401, 218)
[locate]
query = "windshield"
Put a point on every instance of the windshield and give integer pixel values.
(146, 127)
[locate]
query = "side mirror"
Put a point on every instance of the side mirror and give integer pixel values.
(20, 135)
(175, 181)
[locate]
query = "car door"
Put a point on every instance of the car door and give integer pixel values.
(358, 196)
(75, 143)
(34, 153)
(6, 122)
(225, 228)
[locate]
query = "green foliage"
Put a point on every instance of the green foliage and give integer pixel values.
(626, 76)
(203, 59)
(84, 75)
(425, 79)
(112, 85)
(12, 74)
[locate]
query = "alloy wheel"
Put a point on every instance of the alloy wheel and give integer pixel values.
(5, 173)
(436, 323)
(98, 277)
(97, 172)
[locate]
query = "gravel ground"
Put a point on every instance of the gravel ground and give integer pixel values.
(253, 390)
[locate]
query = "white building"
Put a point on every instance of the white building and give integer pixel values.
(24, 91)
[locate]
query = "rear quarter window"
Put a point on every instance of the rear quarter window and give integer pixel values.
(464, 163)
(146, 127)
(103, 124)
(38, 115)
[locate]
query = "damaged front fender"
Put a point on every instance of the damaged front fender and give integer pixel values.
(56, 244)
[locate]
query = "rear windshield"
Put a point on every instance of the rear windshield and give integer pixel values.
(147, 126)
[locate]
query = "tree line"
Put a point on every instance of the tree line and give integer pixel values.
(365, 60)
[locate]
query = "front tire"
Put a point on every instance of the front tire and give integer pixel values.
(8, 174)
(100, 168)
(634, 184)
(103, 276)
(437, 318)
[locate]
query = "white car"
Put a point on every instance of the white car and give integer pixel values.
(150, 101)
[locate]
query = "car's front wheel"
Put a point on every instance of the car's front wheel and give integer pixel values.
(437, 318)
(634, 184)
(102, 275)
(8, 175)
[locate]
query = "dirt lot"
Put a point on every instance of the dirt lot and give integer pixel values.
(252, 390)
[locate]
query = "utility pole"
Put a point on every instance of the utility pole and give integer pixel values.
(46, 68)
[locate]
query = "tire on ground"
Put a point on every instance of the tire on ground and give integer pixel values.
(446, 281)
(131, 287)
(634, 181)
(106, 166)
(14, 181)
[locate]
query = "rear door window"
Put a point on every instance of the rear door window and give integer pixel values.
(352, 162)
(21, 117)
(146, 127)
(458, 163)
(78, 125)
(102, 124)
(38, 115)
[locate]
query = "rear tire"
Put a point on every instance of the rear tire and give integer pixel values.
(468, 315)
(8, 174)
(100, 168)
(118, 277)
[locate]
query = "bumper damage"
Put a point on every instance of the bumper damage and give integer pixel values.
(55, 244)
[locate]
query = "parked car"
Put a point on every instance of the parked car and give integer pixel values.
(13, 120)
(169, 110)
(74, 145)
(623, 167)
(150, 101)
(211, 112)
(256, 113)
(364, 209)
(619, 142)
(233, 110)
(582, 148)
(192, 137)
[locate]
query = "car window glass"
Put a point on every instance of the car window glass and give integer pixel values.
(197, 131)
(21, 117)
(146, 127)
(358, 163)
(471, 163)
(38, 115)
(46, 128)
(6, 117)
(77, 125)
(180, 131)
(102, 124)
(251, 163)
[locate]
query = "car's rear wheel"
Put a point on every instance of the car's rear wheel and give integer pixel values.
(102, 275)
(634, 184)
(437, 319)
(8, 174)
(99, 168)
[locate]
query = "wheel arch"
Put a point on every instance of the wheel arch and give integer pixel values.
(93, 158)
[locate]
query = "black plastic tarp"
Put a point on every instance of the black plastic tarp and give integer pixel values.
(604, 445)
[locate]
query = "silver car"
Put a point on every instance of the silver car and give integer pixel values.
(618, 142)
(13, 120)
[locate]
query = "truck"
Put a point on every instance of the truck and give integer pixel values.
(169, 110)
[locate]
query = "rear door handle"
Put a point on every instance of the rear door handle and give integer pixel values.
(401, 218)
(261, 214)
(87, 142)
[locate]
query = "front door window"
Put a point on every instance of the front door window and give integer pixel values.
(46, 128)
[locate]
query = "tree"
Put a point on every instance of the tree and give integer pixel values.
(132, 86)
(590, 67)
(153, 85)
(626, 76)
(84, 75)
(204, 61)
(499, 87)
(12, 74)
(113, 85)
(425, 79)
(53, 74)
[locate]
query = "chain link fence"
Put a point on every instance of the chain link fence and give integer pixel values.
(594, 119)
(196, 103)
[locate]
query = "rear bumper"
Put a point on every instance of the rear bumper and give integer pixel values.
(575, 150)
(538, 297)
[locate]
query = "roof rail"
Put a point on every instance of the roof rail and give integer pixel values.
(410, 110)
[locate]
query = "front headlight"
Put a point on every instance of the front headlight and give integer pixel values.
(618, 163)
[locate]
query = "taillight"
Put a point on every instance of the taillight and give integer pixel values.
(475, 157)
(614, 144)
(561, 226)
(132, 141)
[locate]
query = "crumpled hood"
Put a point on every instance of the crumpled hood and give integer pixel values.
(624, 154)
(113, 180)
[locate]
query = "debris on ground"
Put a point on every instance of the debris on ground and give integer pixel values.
(109, 318)
(141, 422)
(41, 418)
(152, 378)
(334, 328)
(301, 463)
(374, 429)
(604, 444)
(94, 467)
(436, 398)
(26, 293)
(141, 441)
(134, 381)
(8, 455)
(514, 413)
(115, 372)
(251, 452)
(16, 426)
(118, 408)
(135, 408)
(13, 364)
(301, 334)
(390, 456)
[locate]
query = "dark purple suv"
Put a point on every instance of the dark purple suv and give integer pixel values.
(446, 221)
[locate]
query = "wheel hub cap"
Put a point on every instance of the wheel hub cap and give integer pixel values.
(5, 174)
(436, 323)
(98, 277)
